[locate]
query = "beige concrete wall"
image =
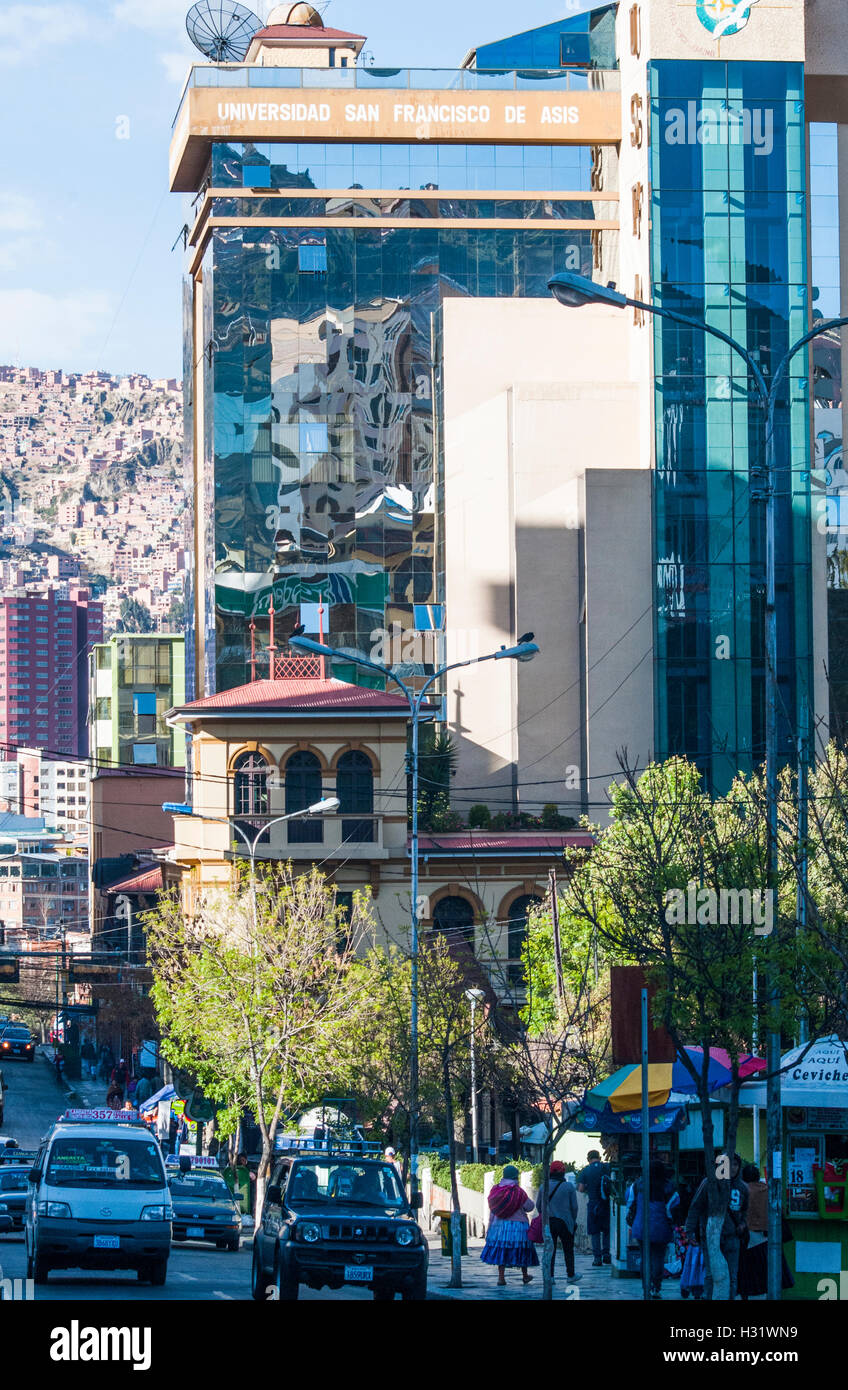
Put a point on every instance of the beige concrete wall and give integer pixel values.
(827, 38)
(534, 394)
(774, 32)
(616, 512)
(267, 54)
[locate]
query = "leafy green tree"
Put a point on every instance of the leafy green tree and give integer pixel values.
(378, 1046)
(678, 884)
(437, 766)
(253, 991)
(134, 616)
(825, 963)
(177, 614)
(559, 1035)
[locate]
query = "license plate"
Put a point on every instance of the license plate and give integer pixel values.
(194, 1231)
(107, 1242)
(359, 1274)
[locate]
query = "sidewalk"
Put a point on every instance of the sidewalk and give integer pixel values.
(82, 1093)
(479, 1280)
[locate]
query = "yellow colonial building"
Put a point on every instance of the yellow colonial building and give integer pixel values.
(264, 750)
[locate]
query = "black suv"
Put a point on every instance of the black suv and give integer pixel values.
(335, 1218)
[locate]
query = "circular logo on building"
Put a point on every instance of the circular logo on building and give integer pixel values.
(724, 17)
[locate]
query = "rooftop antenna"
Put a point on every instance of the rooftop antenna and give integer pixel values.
(222, 29)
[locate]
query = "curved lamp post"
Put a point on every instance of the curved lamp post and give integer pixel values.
(573, 291)
(524, 650)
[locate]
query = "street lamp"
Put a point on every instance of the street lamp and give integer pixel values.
(178, 808)
(524, 650)
(573, 291)
(474, 997)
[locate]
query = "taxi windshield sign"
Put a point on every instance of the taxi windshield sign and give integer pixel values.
(103, 1114)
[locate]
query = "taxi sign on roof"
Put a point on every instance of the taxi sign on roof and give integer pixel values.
(114, 1116)
(197, 1161)
(18, 1155)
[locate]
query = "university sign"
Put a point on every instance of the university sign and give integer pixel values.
(520, 117)
(723, 18)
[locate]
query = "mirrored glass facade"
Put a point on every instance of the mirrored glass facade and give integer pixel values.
(729, 247)
(320, 391)
(830, 481)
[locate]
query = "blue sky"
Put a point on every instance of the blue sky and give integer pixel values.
(87, 276)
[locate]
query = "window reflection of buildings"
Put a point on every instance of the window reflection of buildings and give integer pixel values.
(341, 341)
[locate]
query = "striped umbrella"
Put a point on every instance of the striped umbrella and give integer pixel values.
(623, 1090)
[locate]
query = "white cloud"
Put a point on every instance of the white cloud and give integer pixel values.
(156, 16)
(166, 16)
(23, 239)
(31, 31)
(177, 64)
(53, 330)
(15, 253)
(19, 213)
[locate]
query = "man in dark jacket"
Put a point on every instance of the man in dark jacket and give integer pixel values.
(594, 1180)
(732, 1230)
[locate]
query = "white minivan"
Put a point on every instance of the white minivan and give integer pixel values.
(98, 1198)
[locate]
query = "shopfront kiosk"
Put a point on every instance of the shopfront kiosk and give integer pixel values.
(814, 1102)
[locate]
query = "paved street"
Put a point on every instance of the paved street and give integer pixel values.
(196, 1272)
(34, 1099)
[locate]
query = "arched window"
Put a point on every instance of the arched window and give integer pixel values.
(303, 788)
(517, 934)
(455, 917)
(355, 791)
(251, 785)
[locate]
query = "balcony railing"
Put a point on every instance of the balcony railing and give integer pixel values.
(359, 830)
(576, 79)
(342, 833)
(308, 831)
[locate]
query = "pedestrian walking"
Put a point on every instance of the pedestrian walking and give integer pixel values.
(120, 1076)
(143, 1090)
(594, 1180)
(561, 1206)
(662, 1199)
(114, 1098)
(391, 1156)
(733, 1228)
(753, 1254)
(508, 1244)
(88, 1057)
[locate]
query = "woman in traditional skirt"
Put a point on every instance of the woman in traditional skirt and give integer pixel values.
(508, 1243)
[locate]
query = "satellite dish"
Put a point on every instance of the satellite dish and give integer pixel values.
(222, 29)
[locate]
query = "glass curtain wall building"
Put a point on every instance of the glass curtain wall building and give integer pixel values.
(312, 348)
(321, 353)
(729, 209)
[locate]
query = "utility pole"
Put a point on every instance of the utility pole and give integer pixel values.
(474, 997)
(801, 896)
(646, 1156)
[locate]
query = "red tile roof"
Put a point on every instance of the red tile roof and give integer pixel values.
(304, 32)
(147, 880)
(296, 696)
(534, 842)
